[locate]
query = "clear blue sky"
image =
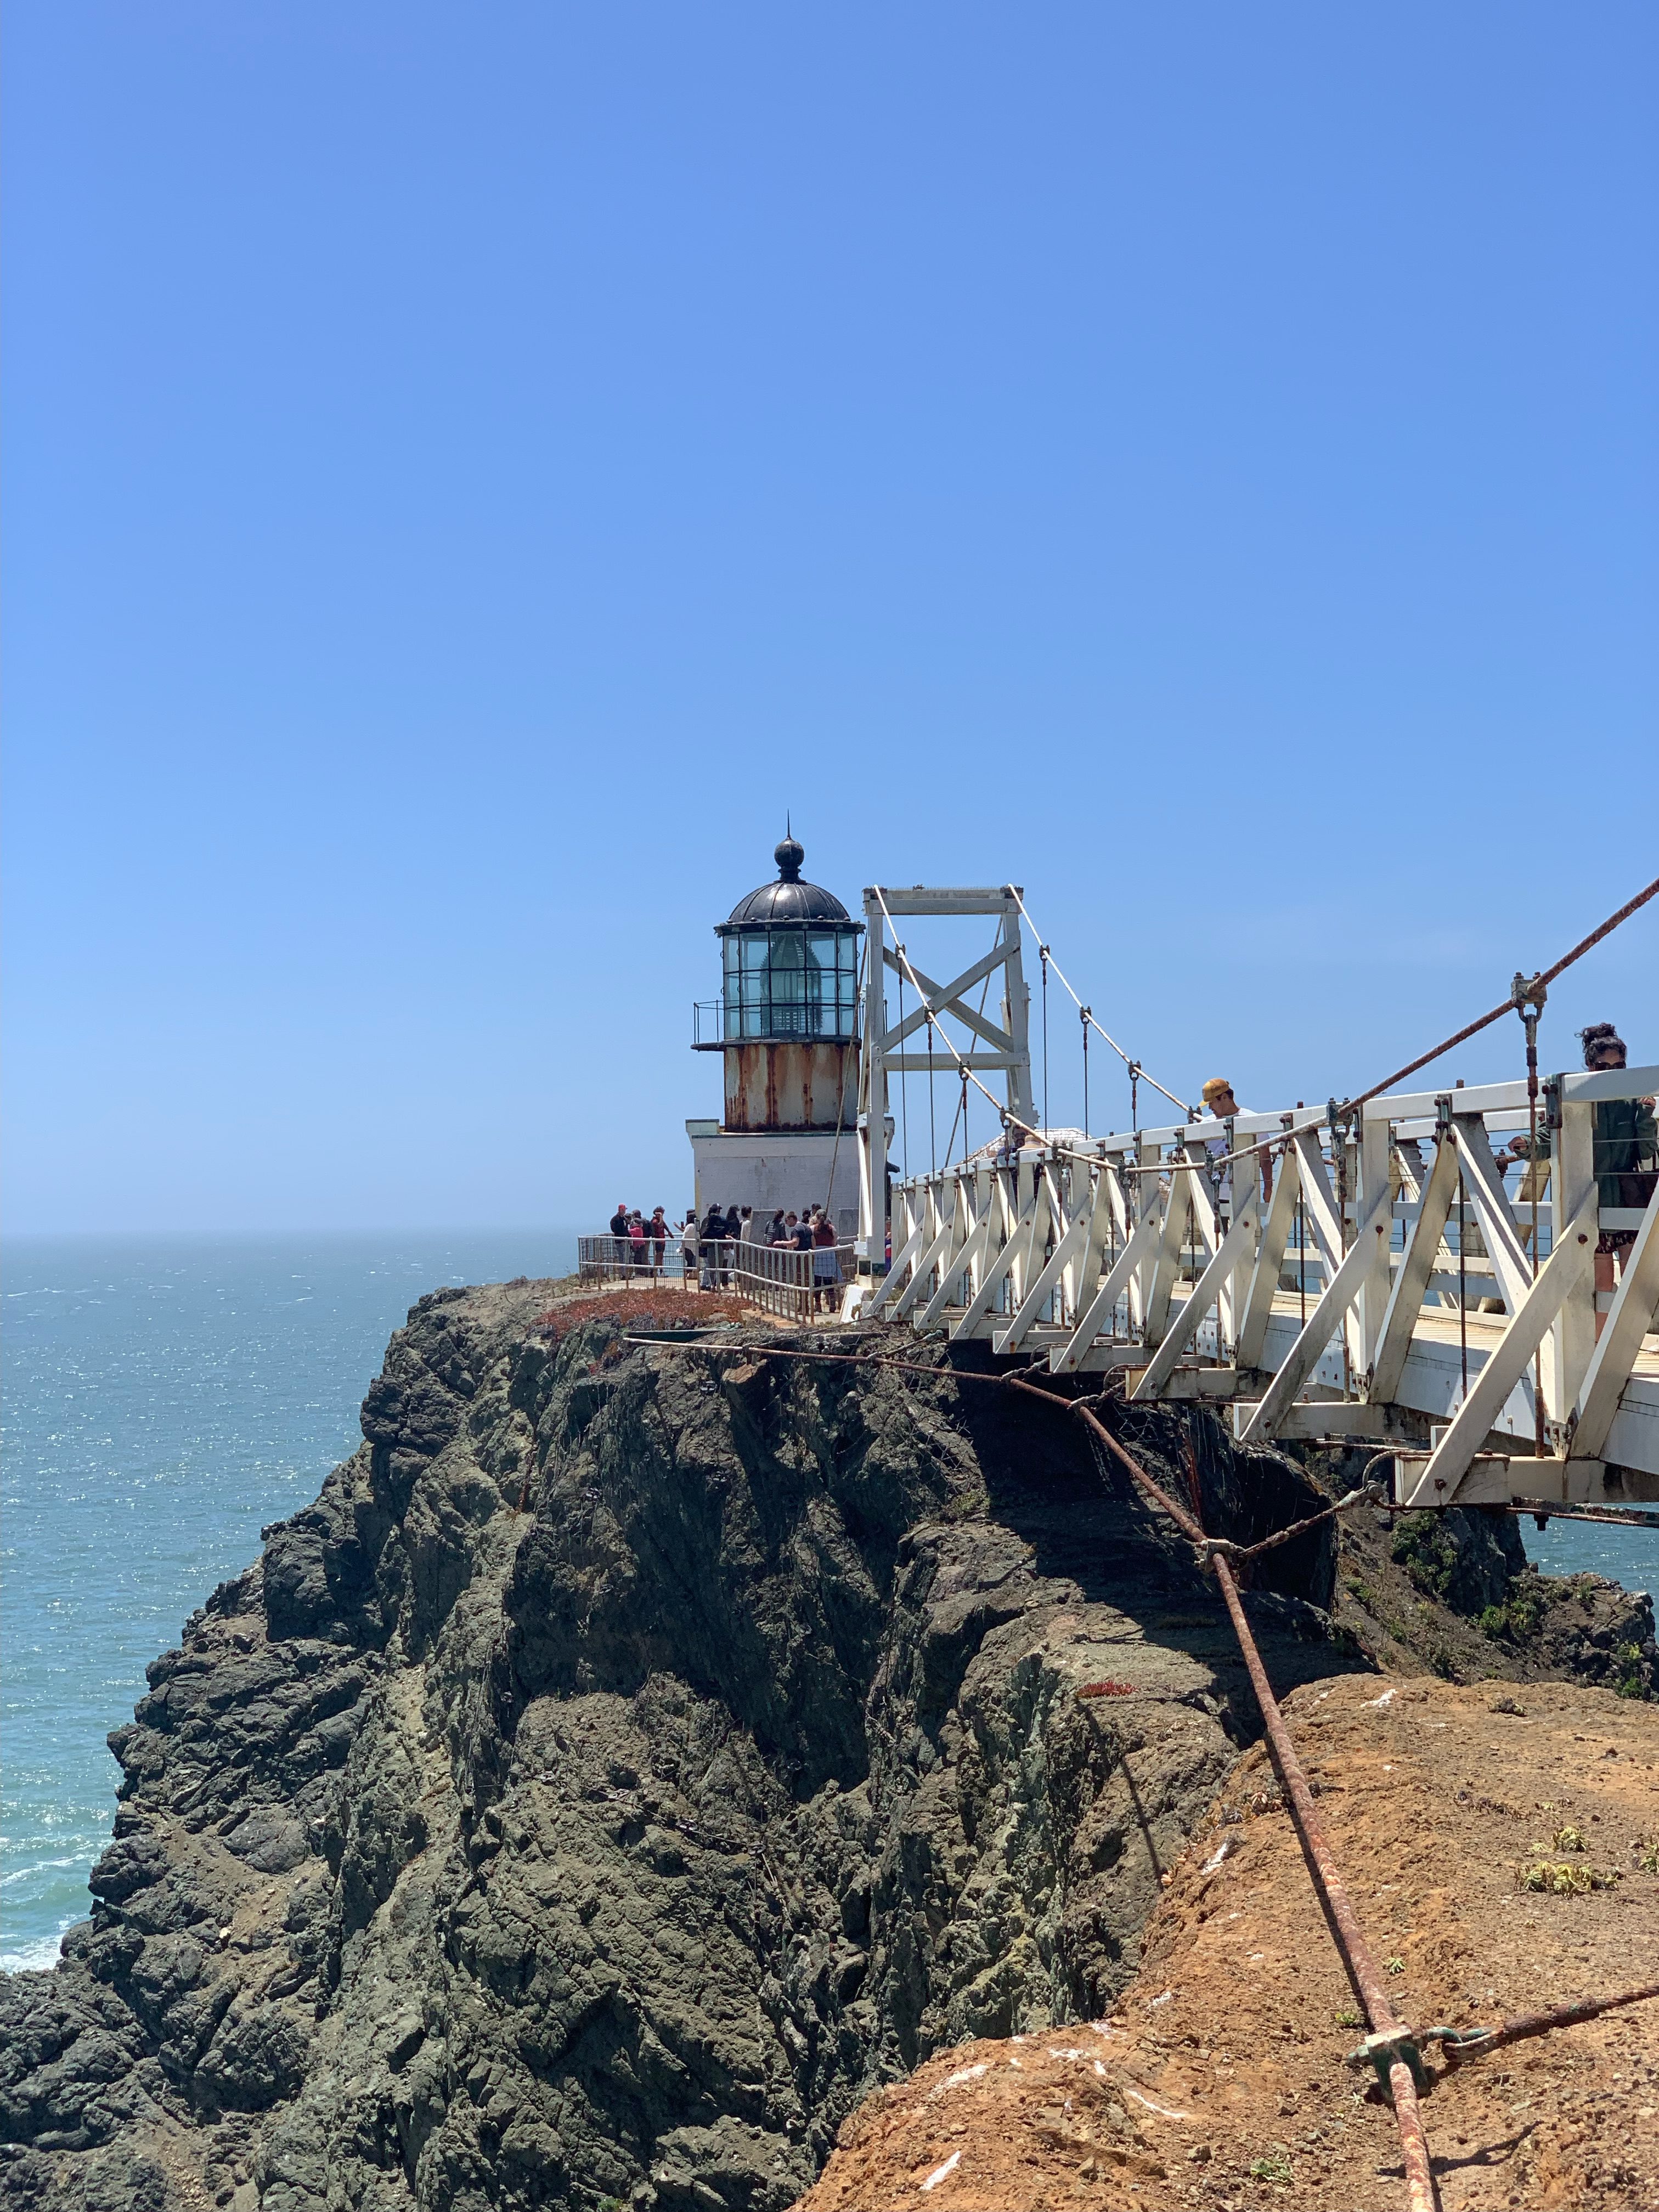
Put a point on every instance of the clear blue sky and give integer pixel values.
(471, 469)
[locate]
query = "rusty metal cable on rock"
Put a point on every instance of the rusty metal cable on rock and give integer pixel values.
(1242, 1554)
(831, 1359)
(1461, 2045)
(1391, 2048)
(1393, 2051)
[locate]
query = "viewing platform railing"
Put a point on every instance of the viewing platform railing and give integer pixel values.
(621, 1260)
(794, 1285)
(777, 1279)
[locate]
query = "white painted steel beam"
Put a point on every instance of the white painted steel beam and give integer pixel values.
(1323, 1322)
(1625, 1325)
(1417, 1265)
(1504, 1366)
(1207, 1292)
(1142, 1241)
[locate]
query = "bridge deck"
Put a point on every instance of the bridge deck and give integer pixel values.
(1431, 1385)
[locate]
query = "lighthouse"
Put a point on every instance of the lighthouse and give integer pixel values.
(786, 1026)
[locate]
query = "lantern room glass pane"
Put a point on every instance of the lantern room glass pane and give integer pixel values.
(791, 983)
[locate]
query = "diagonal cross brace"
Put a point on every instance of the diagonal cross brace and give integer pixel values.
(1207, 1292)
(1323, 1321)
(1143, 1240)
(944, 998)
(1626, 1324)
(1506, 1363)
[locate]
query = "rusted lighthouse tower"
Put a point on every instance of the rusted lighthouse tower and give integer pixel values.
(785, 1025)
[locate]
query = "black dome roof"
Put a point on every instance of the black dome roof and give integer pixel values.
(788, 899)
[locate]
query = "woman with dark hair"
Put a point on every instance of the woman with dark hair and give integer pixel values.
(826, 1263)
(1624, 1139)
(1626, 1146)
(710, 1237)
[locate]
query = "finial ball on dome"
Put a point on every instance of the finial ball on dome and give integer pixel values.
(787, 902)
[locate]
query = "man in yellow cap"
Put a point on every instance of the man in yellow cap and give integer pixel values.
(1218, 1096)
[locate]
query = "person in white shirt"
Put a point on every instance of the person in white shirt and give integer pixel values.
(1217, 1096)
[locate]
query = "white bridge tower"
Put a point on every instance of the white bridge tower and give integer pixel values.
(1003, 1046)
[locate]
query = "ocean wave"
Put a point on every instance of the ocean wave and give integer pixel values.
(33, 1958)
(37, 1867)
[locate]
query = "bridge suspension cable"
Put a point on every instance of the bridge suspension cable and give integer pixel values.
(1087, 1014)
(1531, 988)
(936, 1027)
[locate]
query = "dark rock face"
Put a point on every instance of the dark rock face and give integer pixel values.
(628, 1760)
(1465, 1557)
(1453, 1594)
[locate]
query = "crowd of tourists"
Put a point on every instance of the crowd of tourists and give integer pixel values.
(647, 1236)
(709, 1251)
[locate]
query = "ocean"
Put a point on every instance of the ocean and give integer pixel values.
(162, 1400)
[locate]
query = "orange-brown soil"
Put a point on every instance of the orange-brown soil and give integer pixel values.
(1219, 2081)
(653, 1305)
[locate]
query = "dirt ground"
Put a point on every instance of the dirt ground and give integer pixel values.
(1218, 2081)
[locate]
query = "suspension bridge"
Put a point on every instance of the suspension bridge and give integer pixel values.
(1360, 1271)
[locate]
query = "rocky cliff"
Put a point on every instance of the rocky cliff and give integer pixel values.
(632, 1758)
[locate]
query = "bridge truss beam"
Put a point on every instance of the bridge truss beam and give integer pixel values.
(1385, 1289)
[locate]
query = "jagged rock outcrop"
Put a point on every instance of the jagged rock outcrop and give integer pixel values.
(630, 1759)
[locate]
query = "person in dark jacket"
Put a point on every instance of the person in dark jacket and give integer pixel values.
(1624, 1139)
(1626, 1147)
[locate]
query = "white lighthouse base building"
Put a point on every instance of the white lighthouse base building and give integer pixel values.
(770, 1167)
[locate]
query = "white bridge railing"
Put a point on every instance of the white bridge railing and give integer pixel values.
(1389, 1283)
